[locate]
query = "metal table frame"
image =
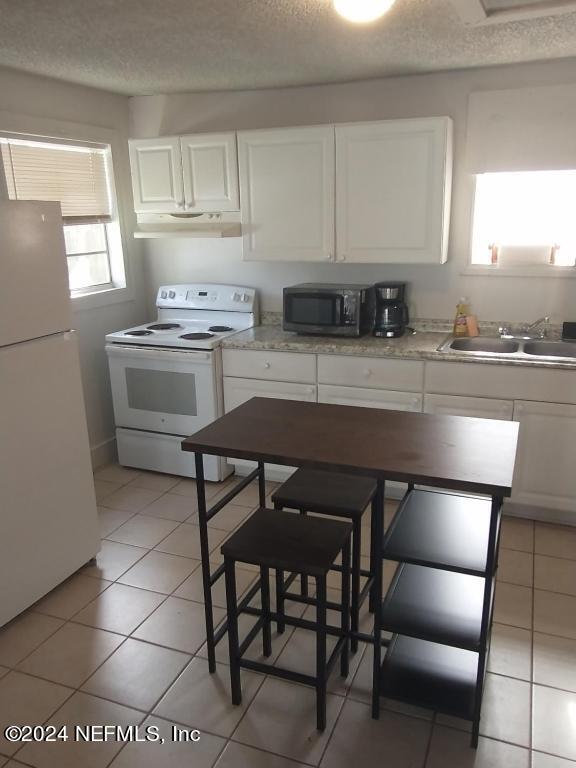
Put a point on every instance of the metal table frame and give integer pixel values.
(209, 578)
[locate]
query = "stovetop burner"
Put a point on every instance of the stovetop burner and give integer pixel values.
(164, 327)
(220, 328)
(197, 336)
(138, 333)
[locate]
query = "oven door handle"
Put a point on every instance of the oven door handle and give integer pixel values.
(149, 353)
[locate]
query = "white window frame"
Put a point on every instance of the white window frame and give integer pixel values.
(42, 129)
(494, 270)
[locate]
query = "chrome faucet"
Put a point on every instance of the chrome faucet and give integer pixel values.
(543, 331)
(526, 331)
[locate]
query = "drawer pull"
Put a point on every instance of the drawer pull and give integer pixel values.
(367, 372)
(266, 365)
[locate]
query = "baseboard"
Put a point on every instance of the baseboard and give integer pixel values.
(103, 453)
(541, 514)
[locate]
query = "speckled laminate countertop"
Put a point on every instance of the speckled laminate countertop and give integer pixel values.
(423, 345)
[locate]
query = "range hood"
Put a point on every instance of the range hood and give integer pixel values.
(158, 225)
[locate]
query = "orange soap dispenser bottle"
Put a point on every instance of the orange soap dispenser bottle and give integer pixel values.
(461, 321)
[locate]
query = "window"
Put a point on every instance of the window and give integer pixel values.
(79, 177)
(525, 220)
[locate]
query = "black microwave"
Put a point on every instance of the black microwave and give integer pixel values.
(331, 310)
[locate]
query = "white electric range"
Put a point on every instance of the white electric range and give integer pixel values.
(166, 375)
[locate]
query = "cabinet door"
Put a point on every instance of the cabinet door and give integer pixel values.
(287, 194)
(481, 407)
(210, 167)
(544, 474)
(370, 398)
(157, 175)
(239, 391)
(393, 191)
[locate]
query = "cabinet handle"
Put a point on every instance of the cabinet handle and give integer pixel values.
(343, 257)
(266, 365)
(367, 372)
(182, 204)
(329, 257)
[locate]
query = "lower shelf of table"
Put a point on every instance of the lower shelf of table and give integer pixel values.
(437, 677)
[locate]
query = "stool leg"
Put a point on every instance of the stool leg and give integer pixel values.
(372, 555)
(265, 591)
(281, 626)
(232, 609)
(321, 652)
(344, 656)
(303, 578)
(356, 536)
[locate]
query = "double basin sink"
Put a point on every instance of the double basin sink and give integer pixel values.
(514, 348)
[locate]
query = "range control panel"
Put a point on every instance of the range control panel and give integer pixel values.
(228, 298)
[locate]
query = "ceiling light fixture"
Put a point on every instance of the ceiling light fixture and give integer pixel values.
(362, 11)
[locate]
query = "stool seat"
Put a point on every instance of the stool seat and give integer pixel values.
(289, 542)
(331, 492)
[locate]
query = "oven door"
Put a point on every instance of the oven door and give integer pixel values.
(164, 390)
(313, 310)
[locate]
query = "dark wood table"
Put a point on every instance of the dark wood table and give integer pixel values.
(456, 453)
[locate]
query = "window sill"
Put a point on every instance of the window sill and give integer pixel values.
(489, 271)
(100, 298)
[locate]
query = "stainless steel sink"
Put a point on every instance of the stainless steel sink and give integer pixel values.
(550, 348)
(485, 344)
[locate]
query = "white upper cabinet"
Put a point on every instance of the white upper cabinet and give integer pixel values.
(157, 175)
(210, 166)
(191, 174)
(393, 185)
(287, 193)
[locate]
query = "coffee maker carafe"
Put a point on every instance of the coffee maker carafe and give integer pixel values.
(391, 310)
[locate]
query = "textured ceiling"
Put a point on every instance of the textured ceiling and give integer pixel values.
(166, 46)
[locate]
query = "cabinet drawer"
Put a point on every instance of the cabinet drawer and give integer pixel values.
(479, 407)
(370, 398)
(275, 366)
(239, 391)
(371, 372)
(501, 381)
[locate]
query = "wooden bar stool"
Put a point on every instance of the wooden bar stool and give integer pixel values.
(340, 495)
(285, 541)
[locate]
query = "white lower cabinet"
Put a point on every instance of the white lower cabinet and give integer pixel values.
(544, 483)
(373, 398)
(238, 391)
(481, 407)
(370, 398)
(544, 474)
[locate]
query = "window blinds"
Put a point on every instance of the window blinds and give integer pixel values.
(75, 177)
(523, 129)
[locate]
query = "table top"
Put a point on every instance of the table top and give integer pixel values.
(455, 452)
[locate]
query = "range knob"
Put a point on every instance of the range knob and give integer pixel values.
(164, 295)
(172, 294)
(245, 297)
(236, 297)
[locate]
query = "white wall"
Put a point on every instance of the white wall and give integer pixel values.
(29, 103)
(434, 289)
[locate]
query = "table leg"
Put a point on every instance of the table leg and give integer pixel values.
(487, 613)
(205, 555)
(378, 529)
(261, 484)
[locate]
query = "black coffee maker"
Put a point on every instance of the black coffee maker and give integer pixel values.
(391, 310)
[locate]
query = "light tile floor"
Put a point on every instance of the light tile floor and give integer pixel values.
(122, 642)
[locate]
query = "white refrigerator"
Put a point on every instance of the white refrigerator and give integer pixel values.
(48, 519)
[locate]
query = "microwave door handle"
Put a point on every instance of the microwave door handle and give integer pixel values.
(338, 312)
